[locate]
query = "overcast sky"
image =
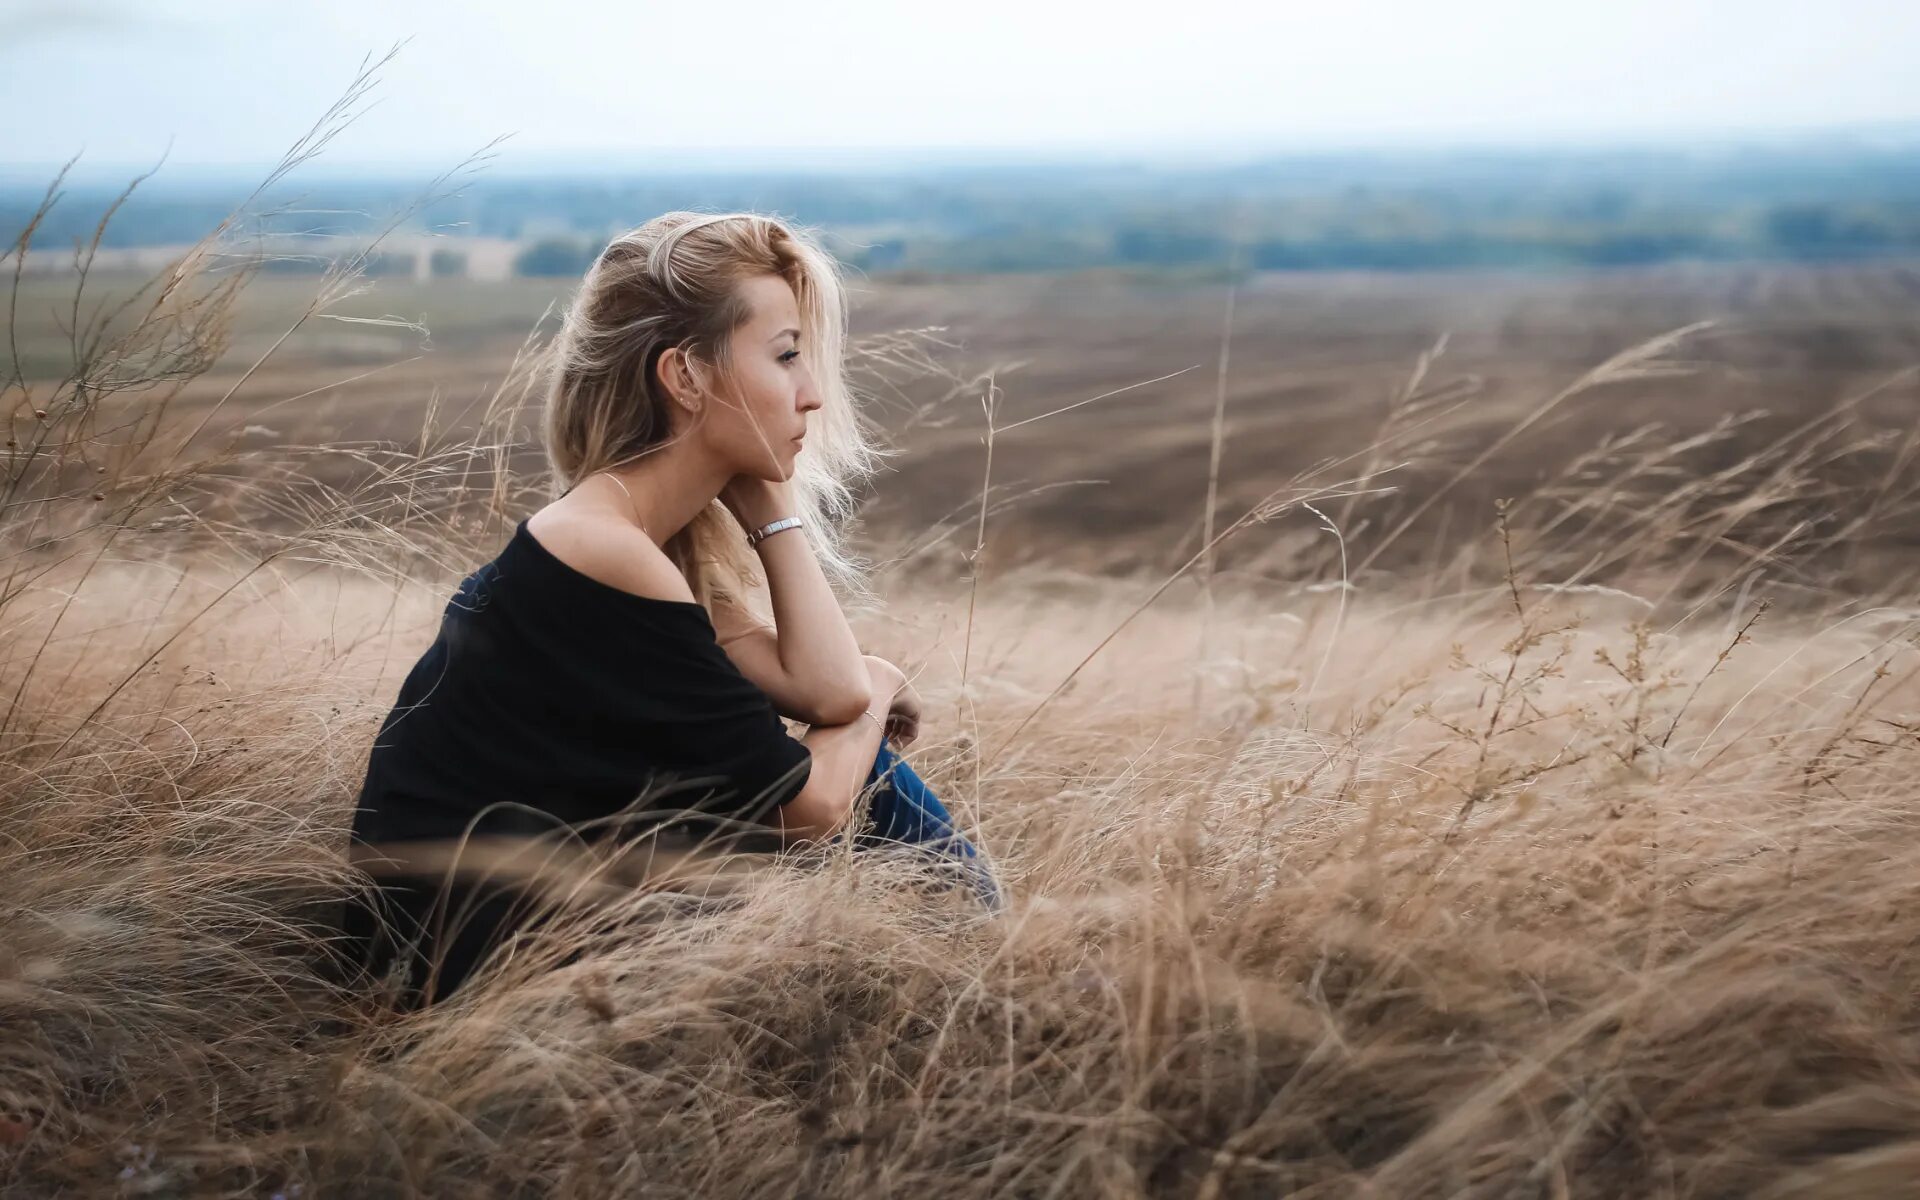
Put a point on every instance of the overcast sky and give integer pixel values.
(233, 82)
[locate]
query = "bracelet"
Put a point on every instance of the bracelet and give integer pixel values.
(770, 528)
(876, 721)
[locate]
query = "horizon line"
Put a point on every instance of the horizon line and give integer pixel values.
(740, 159)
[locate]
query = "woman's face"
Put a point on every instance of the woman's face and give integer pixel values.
(756, 425)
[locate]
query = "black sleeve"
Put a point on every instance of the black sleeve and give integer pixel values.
(721, 724)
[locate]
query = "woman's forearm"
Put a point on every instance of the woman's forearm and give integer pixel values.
(815, 642)
(843, 757)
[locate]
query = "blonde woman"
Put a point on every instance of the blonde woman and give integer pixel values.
(702, 440)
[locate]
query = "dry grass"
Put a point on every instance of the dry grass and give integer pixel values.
(1583, 863)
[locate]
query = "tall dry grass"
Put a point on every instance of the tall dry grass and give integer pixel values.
(1583, 863)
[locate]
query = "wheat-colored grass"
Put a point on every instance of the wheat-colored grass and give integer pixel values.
(1470, 930)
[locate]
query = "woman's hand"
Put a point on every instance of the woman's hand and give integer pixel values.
(754, 501)
(903, 717)
(903, 703)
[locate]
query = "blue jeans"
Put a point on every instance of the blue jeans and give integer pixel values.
(905, 811)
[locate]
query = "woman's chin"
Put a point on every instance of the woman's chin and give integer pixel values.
(767, 472)
(782, 466)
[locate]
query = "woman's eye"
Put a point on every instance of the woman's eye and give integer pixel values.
(789, 356)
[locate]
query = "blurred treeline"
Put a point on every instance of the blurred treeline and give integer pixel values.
(1809, 200)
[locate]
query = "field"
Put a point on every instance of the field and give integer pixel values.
(1315, 363)
(1523, 804)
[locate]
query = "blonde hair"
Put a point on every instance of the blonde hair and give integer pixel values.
(674, 281)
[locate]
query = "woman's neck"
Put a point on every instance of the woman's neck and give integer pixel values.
(670, 489)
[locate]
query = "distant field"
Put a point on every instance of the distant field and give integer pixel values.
(1314, 359)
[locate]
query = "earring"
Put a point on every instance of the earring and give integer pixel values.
(690, 399)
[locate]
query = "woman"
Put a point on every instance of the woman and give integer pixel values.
(609, 649)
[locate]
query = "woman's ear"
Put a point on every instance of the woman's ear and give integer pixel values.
(677, 376)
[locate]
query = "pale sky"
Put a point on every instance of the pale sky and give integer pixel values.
(234, 81)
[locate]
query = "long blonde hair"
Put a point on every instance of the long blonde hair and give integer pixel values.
(674, 281)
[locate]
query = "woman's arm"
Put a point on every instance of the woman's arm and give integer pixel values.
(754, 647)
(810, 666)
(843, 757)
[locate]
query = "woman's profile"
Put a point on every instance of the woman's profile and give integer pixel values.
(699, 432)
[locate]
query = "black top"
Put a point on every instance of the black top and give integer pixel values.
(551, 691)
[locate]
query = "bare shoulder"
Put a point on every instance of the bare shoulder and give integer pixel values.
(609, 550)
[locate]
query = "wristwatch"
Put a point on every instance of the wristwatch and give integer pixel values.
(770, 528)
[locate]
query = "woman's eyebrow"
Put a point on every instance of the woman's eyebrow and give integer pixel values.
(783, 333)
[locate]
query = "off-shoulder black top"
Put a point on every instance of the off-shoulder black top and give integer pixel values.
(549, 696)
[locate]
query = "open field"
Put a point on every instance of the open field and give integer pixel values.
(1120, 484)
(1570, 849)
(1367, 921)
